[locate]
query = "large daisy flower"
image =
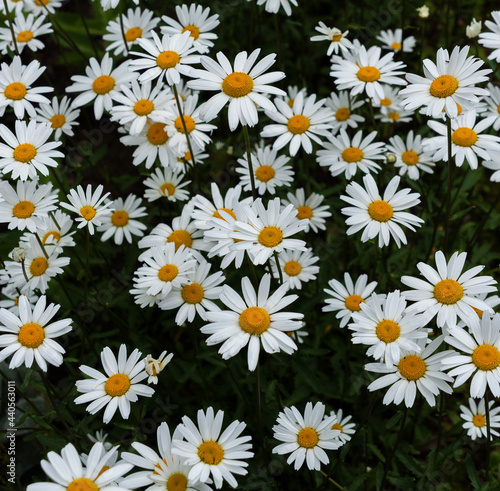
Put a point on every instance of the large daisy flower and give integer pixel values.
(491, 40)
(475, 419)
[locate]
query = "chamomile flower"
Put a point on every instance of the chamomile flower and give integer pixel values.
(26, 31)
(55, 231)
(338, 39)
(382, 216)
(213, 453)
(306, 120)
(396, 115)
(342, 154)
(270, 171)
(473, 30)
(475, 419)
(292, 91)
(495, 166)
(117, 387)
(448, 292)
(15, 7)
(343, 106)
(491, 39)
(89, 206)
(166, 183)
(297, 267)
(61, 115)
(342, 424)
(393, 40)
(242, 85)
(306, 437)
(30, 335)
(493, 105)
(154, 366)
(449, 82)
(43, 7)
(347, 297)
(11, 296)
(111, 4)
(273, 6)
(309, 209)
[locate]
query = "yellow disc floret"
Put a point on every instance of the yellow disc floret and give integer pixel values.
(387, 331)
(270, 236)
(304, 212)
(479, 420)
(31, 335)
(352, 154)
(82, 484)
(119, 218)
(264, 173)
(38, 266)
(194, 32)
(189, 122)
(177, 482)
(464, 137)
(237, 84)
(24, 153)
(103, 84)
(342, 114)
(57, 121)
(211, 452)
(308, 437)
(143, 107)
(180, 237)
(486, 357)
(292, 268)
(298, 124)
(24, 37)
(368, 74)
(352, 302)
(168, 272)
(192, 293)
(443, 86)
(380, 210)
(157, 135)
(88, 212)
(227, 210)
(448, 291)
(15, 91)
(255, 320)
(167, 59)
(412, 367)
(133, 33)
(117, 385)
(23, 209)
(167, 189)
(410, 157)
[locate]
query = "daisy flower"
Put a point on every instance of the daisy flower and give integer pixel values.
(42, 7)
(253, 319)
(26, 32)
(61, 116)
(167, 57)
(467, 141)
(420, 370)
(101, 84)
(11, 299)
(306, 437)
(342, 106)
(166, 183)
(368, 72)
(292, 92)
(342, 424)
(393, 40)
(309, 209)
(30, 335)
(449, 82)
(397, 115)
(475, 419)
(154, 366)
(27, 152)
(491, 40)
(342, 154)
(382, 216)
(15, 7)
(473, 30)
(337, 38)
(194, 19)
(118, 387)
(67, 471)
(273, 6)
(297, 267)
(411, 158)
(244, 88)
(347, 297)
(448, 292)
(54, 231)
(111, 4)
(90, 206)
(306, 120)
(270, 171)
(493, 105)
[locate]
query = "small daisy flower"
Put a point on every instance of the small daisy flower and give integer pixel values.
(338, 39)
(54, 231)
(491, 40)
(493, 105)
(270, 171)
(447, 291)
(111, 4)
(292, 91)
(213, 453)
(11, 299)
(393, 40)
(100, 437)
(475, 419)
(449, 82)
(382, 216)
(26, 31)
(15, 7)
(396, 115)
(166, 183)
(101, 84)
(306, 437)
(42, 7)
(306, 120)
(342, 424)
(347, 297)
(115, 389)
(61, 116)
(309, 209)
(244, 87)
(493, 165)
(273, 6)
(89, 206)
(297, 267)
(345, 155)
(343, 106)
(154, 366)
(252, 319)
(30, 337)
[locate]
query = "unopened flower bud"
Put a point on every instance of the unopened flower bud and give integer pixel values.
(474, 29)
(18, 254)
(423, 11)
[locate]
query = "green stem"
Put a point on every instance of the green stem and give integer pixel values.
(249, 159)
(11, 25)
(87, 259)
(41, 245)
(122, 28)
(393, 452)
(86, 27)
(450, 184)
(183, 121)
(278, 39)
(278, 266)
(331, 480)
(488, 436)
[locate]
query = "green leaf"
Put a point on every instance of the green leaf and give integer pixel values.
(376, 452)
(461, 213)
(394, 420)
(472, 473)
(379, 476)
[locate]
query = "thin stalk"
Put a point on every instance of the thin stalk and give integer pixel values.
(253, 273)
(184, 125)
(51, 214)
(249, 159)
(42, 246)
(11, 26)
(440, 420)
(259, 406)
(122, 28)
(278, 266)
(372, 114)
(86, 27)
(450, 184)
(335, 483)
(87, 257)
(482, 223)
(24, 271)
(488, 437)
(278, 39)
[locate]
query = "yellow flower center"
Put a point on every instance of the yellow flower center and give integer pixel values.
(167, 59)
(394, 116)
(103, 84)
(227, 210)
(385, 102)
(25, 152)
(190, 124)
(270, 236)
(368, 74)
(486, 357)
(291, 101)
(412, 367)
(464, 137)
(298, 124)
(82, 483)
(24, 37)
(177, 482)
(143, 107)
(192, 293)
(342, 114)
(255, 320)
(443, 86)
(237, 84)
(308, 437)
(117, 385)
(38, 266)
(51, 236)
(352, 302)
(180, 237)
(133, 33)
(448, 291)
(396, 46)
(159, 466)
(41, 2)
(119, 218)
(167, 189)
(478, 312)
(31, 335)
(410, 157)
(387, 331)
(337, 38)
(157, 135)
(88, 212)
(292, 268)
(211, 452)
(352, 154)
(336, 426)
(380, 210)
(498, 108)
(478, 420)
(15, 91)
(194, 32)
(187, 158)
(304, 212)
(58, 120)
(23, 209)
(264, 173)
(168, 272)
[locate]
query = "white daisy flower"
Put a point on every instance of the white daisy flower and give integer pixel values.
(306, 437)
(166, 183)
(342, 424)
(342, 154)
(342, 106)
(473, 29)
(244, 88)
(61, 116)
(253, 319)
(493, 165)
(297, 267)
(101, 437)
(475, 419)
(309, 209)
(448, 292)
(493, 105)
(54, 232)
(111, 4)
(26, 31)
(338, 39)
(396, 115)
(449, 82)
(42, 7)
(15, 7)
(11, 300)
(273, 6)
(491, 39)
(30, 337)
(154, 366)
(393, 40)
(378, 215)
(118, 387)
(292, 92)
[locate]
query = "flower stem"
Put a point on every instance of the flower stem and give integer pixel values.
(184, 124)
(488, 436)
(11, 25)
(278, 39)
(122, 28)
(450, 184)
(86, 27)
(249, 159)
(393, 452)
(278, 266)
(335, 483)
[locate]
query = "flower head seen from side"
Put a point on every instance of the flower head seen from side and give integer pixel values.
(154, 366)
(342, 424)
(491, 40)
(306, 437)
(309, 208)
(55, 237)
(447, 292)
(393, 40)
(167, 183)
(297, 267)
(493, 105)
(377, 215)
(61, 115)
(253, 319)
(474, 418)
(211, 452)
(338, 39)
(117, 387)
